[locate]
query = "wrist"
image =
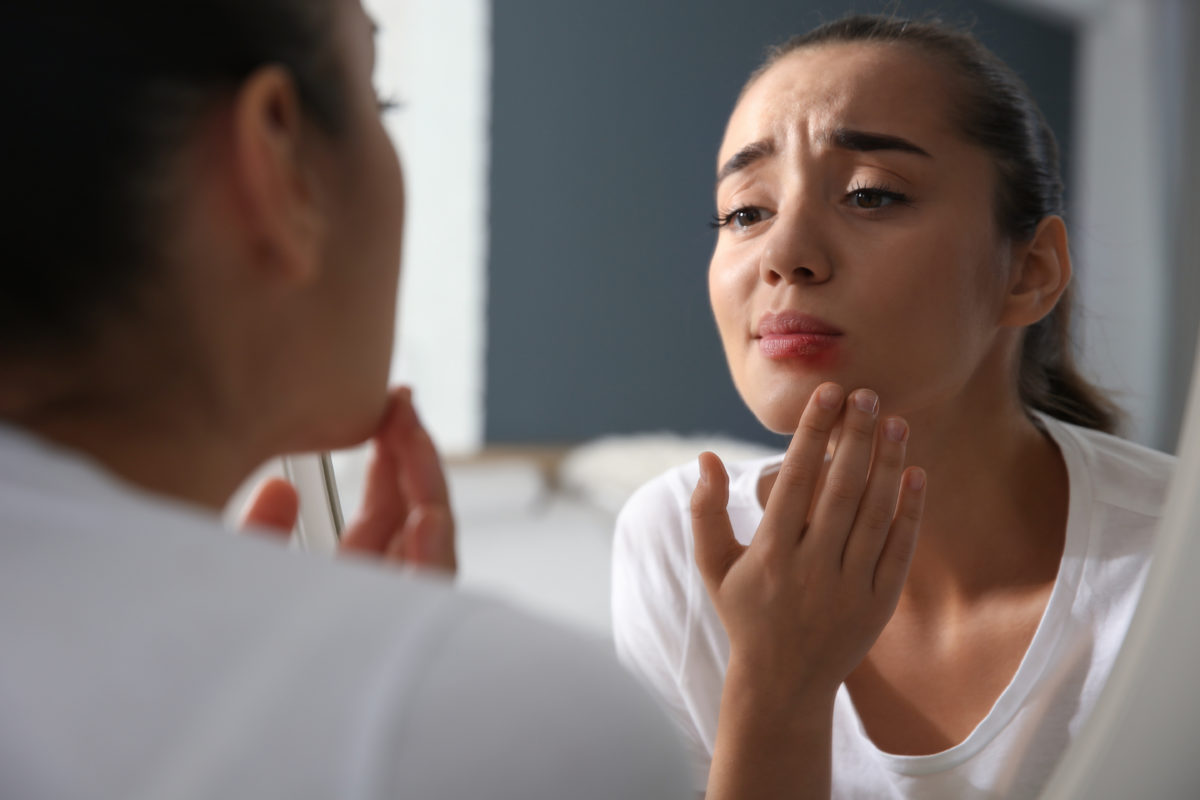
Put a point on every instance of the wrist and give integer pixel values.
(774, 739)
(777, 699)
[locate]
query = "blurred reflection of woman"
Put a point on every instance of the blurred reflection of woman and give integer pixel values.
(890, 261)
(200, 273)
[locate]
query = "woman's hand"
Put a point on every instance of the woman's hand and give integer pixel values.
(405, 515)
(805, 600)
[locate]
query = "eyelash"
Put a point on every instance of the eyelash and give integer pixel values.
(882, 190)
(724, 220)
(388, 103)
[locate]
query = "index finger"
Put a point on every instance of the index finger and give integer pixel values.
(404, 475)
(419, 468)
(791, 497)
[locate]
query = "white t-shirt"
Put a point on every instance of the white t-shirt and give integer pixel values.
(145, 652)
(668, 632)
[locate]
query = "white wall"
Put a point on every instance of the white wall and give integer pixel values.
(435, 58)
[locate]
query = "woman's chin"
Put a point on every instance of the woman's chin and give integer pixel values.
(364, 424)
(780, 418)
(349, 425)
(779, 407)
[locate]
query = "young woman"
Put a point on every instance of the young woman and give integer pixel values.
(200, 273)
(890, 282)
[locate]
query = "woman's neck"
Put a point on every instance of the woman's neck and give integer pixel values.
(170, 453)
(996, 508)
(151, 424)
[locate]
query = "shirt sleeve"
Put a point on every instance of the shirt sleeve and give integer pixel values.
(512, 708)
(652, 578)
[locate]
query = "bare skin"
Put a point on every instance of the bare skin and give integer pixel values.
(971, 604)
(405, 517)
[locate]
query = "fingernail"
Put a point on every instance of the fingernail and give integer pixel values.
(895, 429)
(866, 400)
(830, 396)
(916, 480)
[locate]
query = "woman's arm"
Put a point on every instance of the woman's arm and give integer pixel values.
(804, 602)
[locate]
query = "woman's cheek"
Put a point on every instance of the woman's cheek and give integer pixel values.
(730, 282)
(729, 306)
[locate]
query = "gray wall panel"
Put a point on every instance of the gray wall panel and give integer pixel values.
(606, 119)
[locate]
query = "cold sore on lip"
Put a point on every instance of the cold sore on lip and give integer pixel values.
(804, 346)
(792, 335)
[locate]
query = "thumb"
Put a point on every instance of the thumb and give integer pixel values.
(273, 509)
(716, 547)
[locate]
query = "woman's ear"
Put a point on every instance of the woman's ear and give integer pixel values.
(1041, 270)
(275, 181)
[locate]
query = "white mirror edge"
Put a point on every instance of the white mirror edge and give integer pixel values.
(1141, 739)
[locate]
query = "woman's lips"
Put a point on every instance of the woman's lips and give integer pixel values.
(792, 335)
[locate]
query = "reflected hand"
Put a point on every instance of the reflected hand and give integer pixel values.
(805, 601)
(405, 515)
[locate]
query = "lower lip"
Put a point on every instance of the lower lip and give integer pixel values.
(809, 347)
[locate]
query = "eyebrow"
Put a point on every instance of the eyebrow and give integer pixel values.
(863, 142)
(842, 138)
(755, 151)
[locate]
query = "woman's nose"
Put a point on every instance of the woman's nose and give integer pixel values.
(794, 253)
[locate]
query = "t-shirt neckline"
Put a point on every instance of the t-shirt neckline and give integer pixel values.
(1046, 638)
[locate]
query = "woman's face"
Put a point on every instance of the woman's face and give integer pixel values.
(857, 239)
(366, 210)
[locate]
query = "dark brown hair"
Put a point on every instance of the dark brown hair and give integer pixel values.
(997, 112)
(99, 98)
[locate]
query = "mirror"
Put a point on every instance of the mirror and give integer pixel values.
(562, 158)
(579, 175)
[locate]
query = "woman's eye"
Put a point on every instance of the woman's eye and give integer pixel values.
(871, 199)
(740, 218)
(745, 217)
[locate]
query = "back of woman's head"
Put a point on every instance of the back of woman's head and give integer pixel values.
(101, 97)
(996, 112)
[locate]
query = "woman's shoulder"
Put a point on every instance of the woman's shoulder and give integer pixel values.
(1122, 473)
(105, 566)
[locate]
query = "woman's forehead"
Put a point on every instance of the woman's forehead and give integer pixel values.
(883, 87)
